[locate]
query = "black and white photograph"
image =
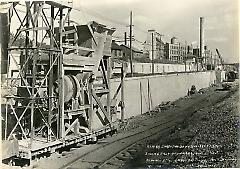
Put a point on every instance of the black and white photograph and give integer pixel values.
(119, 84)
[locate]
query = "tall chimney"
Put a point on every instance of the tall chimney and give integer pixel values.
(201, 36)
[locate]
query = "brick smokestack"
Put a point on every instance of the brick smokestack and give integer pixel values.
(201, 37)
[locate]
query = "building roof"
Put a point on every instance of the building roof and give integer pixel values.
(115, 46)
(133, 48)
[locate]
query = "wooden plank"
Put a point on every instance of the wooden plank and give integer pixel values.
(78, 48)
(69, 31)
(100, 105)
(34, 29)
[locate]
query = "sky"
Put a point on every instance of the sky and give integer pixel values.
(179, 18)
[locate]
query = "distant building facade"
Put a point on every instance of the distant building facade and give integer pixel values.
(176, 51)
(154, 45)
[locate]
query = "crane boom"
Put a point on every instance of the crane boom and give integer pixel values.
(220, 57)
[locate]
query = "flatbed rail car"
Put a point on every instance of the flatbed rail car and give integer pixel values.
(61, 93)
(41, 147)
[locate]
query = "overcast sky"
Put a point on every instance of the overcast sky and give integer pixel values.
(178, 18)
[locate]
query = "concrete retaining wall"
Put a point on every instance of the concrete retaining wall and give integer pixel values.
(161, 88)
(161, 68)
(146, 68)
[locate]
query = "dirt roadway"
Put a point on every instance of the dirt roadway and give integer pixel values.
(207, 113)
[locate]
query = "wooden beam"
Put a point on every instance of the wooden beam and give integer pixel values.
(123, 75)
(78, 48)
(70, 128)
(37, 13)
(109, 88)
(122, 92)
(100, 105)
(67, 16)
(100, 118)
(34, 29)
(60, 79)
(50, 83)
(141, 107)
(90, 111)
(29, 12)
(104, 73)
(69, 31)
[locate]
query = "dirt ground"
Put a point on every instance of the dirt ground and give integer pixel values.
(209, 138)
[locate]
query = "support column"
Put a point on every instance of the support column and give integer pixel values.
(50, 82)
(109, 89)
(60, 79)
(122, 93)
(34, 72)
(90, 110)
(141, 102)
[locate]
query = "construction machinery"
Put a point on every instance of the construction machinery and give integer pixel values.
(60, 94)
(230, 75)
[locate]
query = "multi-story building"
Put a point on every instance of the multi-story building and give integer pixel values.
(175, 51)
(154, 45)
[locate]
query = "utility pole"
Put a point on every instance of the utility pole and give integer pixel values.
(131, 54)
(152, 54)
(211, 62)
(125, 38)
(68, 18)
(178, 51)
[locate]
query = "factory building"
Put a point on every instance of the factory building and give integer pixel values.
(154, 45)
(175, 51)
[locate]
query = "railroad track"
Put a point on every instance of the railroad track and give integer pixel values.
(167, 126)
(133, 140)
(123, 147)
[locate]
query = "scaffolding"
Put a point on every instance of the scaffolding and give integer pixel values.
(63, 80)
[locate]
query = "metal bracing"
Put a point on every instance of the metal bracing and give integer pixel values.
(38, 106)
(34, 12)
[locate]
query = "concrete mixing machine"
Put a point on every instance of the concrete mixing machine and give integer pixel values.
(61, 94)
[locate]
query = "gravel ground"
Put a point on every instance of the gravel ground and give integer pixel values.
(208, 139)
